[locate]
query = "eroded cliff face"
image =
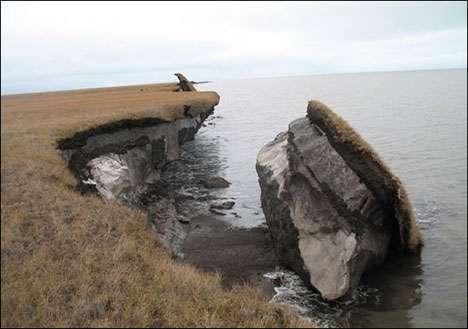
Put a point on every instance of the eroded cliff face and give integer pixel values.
(327, 224)
(124, 161)
(121, 163)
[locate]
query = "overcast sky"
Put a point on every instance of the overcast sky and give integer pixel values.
(46, 46)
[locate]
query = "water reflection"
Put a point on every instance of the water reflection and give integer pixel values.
(398, 284)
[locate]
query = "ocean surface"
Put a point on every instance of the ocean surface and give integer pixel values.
(417, 122)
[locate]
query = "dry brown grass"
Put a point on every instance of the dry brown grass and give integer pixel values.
(73, 260)
(371, 169)
(72, 111)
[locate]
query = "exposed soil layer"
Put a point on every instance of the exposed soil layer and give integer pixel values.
(79, 139)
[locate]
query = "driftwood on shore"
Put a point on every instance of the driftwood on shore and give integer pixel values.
(184, 83)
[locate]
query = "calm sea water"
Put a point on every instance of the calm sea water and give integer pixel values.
(417, 122)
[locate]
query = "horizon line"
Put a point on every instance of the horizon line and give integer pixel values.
(345, 73)
(242, 78)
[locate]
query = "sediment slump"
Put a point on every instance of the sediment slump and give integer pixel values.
(333, 208)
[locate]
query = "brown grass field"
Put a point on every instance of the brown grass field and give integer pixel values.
(74, 260)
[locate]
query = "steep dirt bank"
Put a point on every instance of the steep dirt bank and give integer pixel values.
(121, 159)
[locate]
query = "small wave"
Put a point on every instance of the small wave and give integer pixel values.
(291, 291)
(427, 213)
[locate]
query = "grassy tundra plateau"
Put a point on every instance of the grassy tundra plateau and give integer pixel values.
(75, 260)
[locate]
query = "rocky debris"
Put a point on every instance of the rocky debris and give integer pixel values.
(328, 222)
(168, 224)
(223, 205)
(183, 219)
(215, 182)
(183, 196)
(216, 211)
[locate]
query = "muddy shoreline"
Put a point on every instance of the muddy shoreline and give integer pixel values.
(240, 255)
(179, 211)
